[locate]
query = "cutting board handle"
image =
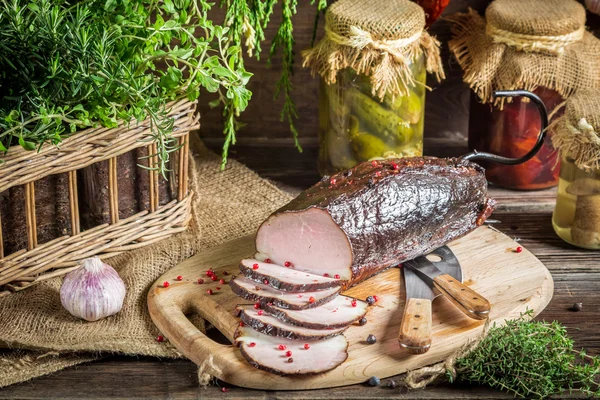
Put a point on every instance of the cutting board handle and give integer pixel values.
(212, 357)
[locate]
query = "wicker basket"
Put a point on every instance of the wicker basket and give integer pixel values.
(56, 257)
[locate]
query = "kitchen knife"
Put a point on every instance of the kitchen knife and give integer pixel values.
(467, 300)
(415, 329)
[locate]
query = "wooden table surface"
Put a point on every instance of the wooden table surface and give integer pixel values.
(525, 215)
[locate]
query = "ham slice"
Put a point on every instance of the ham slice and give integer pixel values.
(263, 352)
(286, 278)
(337, 313)
(253, 291)
(268, 324)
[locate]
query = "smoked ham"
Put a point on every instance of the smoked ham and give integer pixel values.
(375, 215)
(268, 324)
(264, 352)
(263, 294)
(339, 232)
(286, 278)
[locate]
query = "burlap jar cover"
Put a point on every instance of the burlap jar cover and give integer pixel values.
(576, 134)
(377, 38)
(226, 205)
(525, 44)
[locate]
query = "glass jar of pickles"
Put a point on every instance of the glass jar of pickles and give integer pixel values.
(522, 45)
(576, 217)
(373, 62)
(576, 135)
(356, 126)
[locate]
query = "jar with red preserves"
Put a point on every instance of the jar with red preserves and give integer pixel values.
(542, 47)
(511, 131)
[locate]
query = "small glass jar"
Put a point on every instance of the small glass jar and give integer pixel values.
(511, 132)
(576, 217)
(355, 126)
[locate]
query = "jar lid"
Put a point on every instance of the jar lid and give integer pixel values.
(378, 38)
(526, 44)
(576, 134)
(534, 25)
(383, 20)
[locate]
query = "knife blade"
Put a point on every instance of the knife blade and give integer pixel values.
(471, 303)
(415, 329)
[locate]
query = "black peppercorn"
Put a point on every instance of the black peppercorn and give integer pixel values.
(371, 339)
(370, 300)
(577, 307)
(391, 384)
(362, 321)
(374, 381)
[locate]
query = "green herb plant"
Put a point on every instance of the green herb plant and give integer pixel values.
(71, 65)
(248, 19)
(530, 359)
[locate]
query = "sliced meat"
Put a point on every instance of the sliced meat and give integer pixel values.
(250, 290)
(262, 351)
(337, 313)
(268, 324)
(286, 278)
(375, 215)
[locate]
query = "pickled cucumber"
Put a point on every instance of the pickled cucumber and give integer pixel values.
(378, 120)
(339, 151)
(393, 102)
(411, 108)
(366, 146)
(337, 109)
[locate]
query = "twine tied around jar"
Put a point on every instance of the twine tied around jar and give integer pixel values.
(359, 39)
(536, 43)
(378, 38)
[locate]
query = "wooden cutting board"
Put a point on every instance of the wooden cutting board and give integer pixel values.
(513, 282)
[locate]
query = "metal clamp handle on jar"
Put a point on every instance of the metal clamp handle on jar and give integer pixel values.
(476, 155)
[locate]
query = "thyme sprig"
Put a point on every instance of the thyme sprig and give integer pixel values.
(66, 66)
(530, 359)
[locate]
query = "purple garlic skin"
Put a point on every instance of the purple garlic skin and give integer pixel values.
(93, 291)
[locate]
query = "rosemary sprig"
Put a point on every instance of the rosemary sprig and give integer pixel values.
(530, 359)
(66, 66)
(284, 40)
(247, 20)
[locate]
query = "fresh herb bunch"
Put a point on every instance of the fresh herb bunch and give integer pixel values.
(530, 359)
(70, 65)
(247, 20)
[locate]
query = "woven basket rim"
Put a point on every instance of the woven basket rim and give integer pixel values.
(18, 151)
(83, 149)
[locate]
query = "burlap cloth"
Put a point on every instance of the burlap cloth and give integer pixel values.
(523, 44)
(227, 205)
(576, 134)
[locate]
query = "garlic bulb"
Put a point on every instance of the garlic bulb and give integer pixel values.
(93, 291)
(593, 6)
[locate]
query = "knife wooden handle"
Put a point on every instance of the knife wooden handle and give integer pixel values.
(415, 329)
(467, 300)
